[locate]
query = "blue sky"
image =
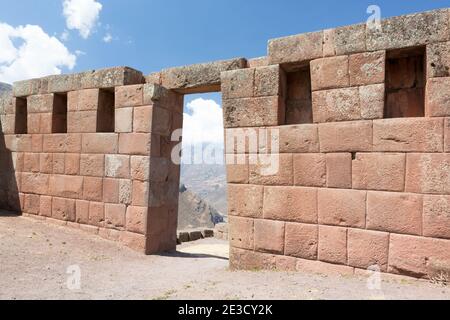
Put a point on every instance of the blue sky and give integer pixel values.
(44, 37)
(153, 34)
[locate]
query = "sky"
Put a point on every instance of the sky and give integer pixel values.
(39, 38)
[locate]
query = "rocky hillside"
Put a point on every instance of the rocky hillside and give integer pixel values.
(208, 182)
(194, 212)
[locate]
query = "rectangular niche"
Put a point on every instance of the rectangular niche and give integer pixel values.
(299, 96)
(405, 83)
(106, 111)
(21, 120)
(59, 117)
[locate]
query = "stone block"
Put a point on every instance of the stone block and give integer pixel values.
(293, 204)
(395, 212)
(275, 242)
(346, 136)
(408, 135)
(296, 49)
(310, 169)
(332, 245)
(199, 78)
(346, 208)
(379, 171)
(301, 240)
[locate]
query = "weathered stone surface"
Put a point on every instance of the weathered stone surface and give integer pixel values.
(271, 169)
(333, 244)
(330, 73)
(241, 232)
(275, 242)
(345, 208)
(371, 99)
(301, 240)
(350, 39)
(418, 257)
(428, 173)
(296, 49)
(270, 81)
(436, 216)
(294, 204)
(310, 170)
(395, 212)
(255, 112)
(199, 78)
(437, 100)
(336, 105)
(299, 138)
(339, 170)
(245, 200)
(367, 249)
(379, 171)
(367, 68)
(438, 60)
(408, 135)
(257, 62)
(103, 78)
(409, 31)
(238, 83)
(346, 136)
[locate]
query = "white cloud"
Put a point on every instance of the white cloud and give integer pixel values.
(203, 123)
(107, 38)
(82, 15)
(28, 52)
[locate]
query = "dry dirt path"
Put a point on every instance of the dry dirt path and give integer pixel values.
(35, 257)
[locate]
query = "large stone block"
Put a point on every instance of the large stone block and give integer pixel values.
(409, 31)
(379, 171)
(271, 169)
(269, 236)
(270, 81)
(301, 240)
(346, 208)
(103, 78)
(330, 73)
(367, 68)
(418, 257)
(428, 173)
(395, 212)
(295, 49)
(299, 138)
(241, 233)
(436, 216)
(339, 170)
(346, 136)
(408, 135)
(63, 209)
(199, 78)
(367, 249)
(254, 112)
(438, 60)
(245, 200)
(437, 101)
(333, 245)
(238, 83)
(310, 170)
(294, 204)
(356, 103)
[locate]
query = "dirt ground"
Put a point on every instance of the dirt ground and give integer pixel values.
(35, 258)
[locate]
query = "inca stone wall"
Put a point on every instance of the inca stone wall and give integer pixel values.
(354, 120)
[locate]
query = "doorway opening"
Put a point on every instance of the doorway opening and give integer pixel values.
(203, 184)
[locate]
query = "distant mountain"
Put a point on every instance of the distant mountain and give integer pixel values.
(4, 87)
(194, 212)
(209, 182)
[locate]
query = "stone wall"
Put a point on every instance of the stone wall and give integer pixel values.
(94, 154)
(363, 127)
(338, 150)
